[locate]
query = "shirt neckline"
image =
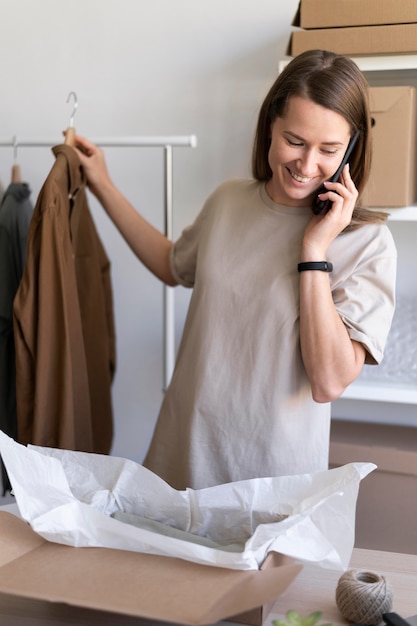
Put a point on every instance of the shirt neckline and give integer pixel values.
(77, 179)
(282, 208)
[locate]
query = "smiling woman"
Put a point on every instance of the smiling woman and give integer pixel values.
(265, 347)
(335, 85)
(307, 145)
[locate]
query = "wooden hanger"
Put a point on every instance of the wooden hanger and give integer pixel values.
(16, 174)
(70, 132)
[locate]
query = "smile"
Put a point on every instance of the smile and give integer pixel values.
(298, 178)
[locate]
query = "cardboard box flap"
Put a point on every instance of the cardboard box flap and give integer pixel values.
(16, 539)
(130, 583)
(386, 98)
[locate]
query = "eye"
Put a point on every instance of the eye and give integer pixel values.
(294, 143)
(330, 152)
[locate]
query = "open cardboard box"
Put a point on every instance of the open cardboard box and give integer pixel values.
(82, 556)
(130, 583)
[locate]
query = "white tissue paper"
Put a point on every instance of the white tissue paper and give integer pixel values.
(70, 497)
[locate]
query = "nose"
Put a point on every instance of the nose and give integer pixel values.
(308, 163)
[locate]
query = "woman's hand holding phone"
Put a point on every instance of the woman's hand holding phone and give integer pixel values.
(323, 206)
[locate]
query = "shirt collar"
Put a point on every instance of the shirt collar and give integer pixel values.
(76, 176)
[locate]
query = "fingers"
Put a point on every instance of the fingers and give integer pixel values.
(346, 179)
(343, 192)
(93, 162)
(85, 146)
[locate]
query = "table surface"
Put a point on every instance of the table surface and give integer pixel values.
(313, 590)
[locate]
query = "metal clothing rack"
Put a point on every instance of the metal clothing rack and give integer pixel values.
(167, 143)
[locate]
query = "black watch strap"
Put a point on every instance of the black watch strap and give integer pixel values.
(322, 266)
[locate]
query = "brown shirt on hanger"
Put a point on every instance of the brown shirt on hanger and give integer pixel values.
(63, 320)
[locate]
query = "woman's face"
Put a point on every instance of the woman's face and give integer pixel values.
(307, 146)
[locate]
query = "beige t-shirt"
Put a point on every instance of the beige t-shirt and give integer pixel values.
(239, 404)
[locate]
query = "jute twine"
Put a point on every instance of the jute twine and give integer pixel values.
(363, 597)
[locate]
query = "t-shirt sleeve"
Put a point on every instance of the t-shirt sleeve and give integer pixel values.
(183, 259)
(184, 252)
(365, 299)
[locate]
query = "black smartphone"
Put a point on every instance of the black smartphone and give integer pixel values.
(322, 206)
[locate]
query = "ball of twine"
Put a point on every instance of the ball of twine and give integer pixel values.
(363, 597)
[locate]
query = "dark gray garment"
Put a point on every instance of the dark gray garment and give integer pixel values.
(15, 214)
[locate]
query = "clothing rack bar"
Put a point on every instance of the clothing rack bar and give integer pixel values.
(166, 142)
(111, 142)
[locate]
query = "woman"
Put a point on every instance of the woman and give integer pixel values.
(270, 340)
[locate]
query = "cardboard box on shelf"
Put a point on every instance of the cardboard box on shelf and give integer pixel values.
(386, 510)
(331, 13)
(130, 583)
(393, 180)
(357, 40)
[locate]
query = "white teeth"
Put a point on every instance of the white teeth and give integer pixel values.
(300, 179)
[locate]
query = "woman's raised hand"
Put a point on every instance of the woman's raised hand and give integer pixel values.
(94, 164)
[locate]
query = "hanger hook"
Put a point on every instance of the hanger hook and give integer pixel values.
(74, 95)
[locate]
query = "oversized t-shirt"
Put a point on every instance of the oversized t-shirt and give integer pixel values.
(239, 404)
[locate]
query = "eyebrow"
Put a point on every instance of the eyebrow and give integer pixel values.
(323, 143)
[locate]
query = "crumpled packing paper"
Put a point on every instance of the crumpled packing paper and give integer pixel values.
(69, 497)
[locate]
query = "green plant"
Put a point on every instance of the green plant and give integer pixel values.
(295, 619)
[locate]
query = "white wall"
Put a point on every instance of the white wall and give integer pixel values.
(139, 67)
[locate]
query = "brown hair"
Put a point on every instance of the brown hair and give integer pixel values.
(336, 83)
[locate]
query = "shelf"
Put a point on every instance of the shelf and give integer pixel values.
(377, 63)
(380, 392)
(403, 214)
(386, 63)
